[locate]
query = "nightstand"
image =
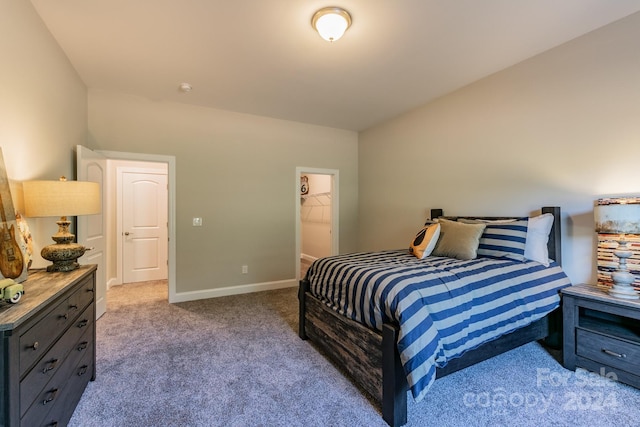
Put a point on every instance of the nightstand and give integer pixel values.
(601, 333)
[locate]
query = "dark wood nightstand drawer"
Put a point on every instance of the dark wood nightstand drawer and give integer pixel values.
(601, 333)
(617, 353)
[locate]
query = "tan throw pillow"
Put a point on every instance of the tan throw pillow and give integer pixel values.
(425, 241)
(458, 240)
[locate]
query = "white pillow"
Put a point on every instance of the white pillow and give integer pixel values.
(538, 231)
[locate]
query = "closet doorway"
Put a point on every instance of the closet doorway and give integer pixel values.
(316, 216)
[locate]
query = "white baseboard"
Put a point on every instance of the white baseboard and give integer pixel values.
(113, 282)
(232, 290)
(308, 257)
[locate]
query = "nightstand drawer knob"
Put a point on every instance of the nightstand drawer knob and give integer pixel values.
(614, 354)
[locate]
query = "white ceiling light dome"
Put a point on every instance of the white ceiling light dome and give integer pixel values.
(331, 22)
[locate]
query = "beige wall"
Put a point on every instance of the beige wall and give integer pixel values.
(43, 108)
(559, 129)
(237, 172)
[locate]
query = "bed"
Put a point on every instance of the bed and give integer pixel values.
(352, 306)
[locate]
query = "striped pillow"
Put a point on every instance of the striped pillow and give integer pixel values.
(504, 240)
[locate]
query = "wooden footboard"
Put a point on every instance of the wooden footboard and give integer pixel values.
(334, 334)
(371, 359)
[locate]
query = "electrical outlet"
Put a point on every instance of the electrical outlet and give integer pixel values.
(197, 222)
(245, 269)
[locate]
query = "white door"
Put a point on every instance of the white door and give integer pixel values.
(144, 205)
(91, 232)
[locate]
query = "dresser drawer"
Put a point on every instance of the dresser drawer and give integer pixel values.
(58, 411)
(36, 341)
(83, 296)
(70, 346)
(617, 353)
(61, 389)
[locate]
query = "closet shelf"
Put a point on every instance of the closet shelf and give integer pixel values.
(317, 199)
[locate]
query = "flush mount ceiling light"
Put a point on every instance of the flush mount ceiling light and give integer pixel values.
(331, 22)
(185, 87)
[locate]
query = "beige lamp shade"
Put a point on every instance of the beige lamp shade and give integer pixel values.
(617, 216)
(61, 198)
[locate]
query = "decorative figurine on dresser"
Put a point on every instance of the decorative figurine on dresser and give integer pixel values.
(10, 291)
(47, 343)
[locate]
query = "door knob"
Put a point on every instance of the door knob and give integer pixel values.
(126, 233)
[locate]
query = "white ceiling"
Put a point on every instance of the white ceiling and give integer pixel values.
(262, 56)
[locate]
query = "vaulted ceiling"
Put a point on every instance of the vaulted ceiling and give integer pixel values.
(262, 57)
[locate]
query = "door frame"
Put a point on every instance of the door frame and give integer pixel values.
(120, 171)
(171, 172)
(335, 210)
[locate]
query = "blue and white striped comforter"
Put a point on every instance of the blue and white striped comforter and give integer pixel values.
(444, 306)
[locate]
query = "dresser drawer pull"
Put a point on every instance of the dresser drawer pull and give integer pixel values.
(74, 306)
(52, 395)
(614, 354)
(53, 424)
(83, 345)
(51, 366)
(65, 316)
(83, 370)
(34, 345)
(83, 323)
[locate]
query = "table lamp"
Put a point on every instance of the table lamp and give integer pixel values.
(620, 217)
(61, 198)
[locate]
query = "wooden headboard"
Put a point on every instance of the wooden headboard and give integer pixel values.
(554, 245)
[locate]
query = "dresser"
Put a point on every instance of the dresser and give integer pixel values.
(47, 348)
(601, 333)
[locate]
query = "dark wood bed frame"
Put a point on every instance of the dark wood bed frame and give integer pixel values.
(371, 358)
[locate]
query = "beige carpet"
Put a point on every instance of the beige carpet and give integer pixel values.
(237, 361)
